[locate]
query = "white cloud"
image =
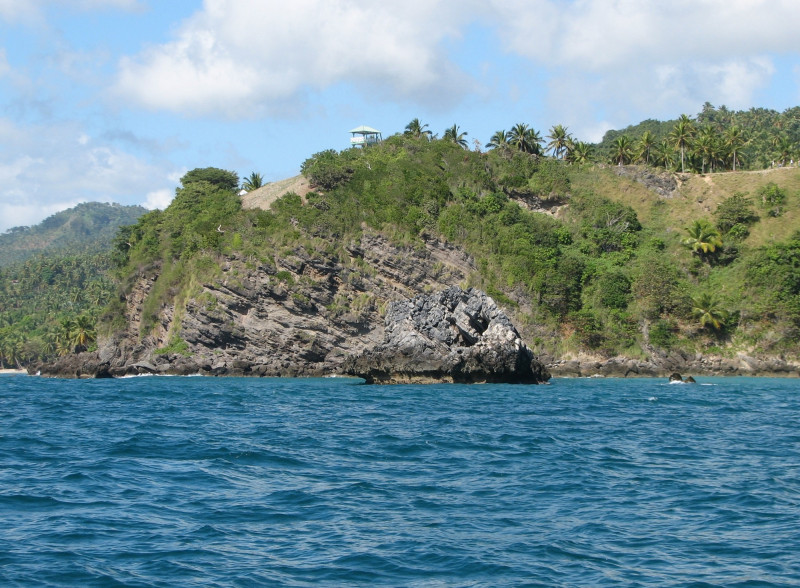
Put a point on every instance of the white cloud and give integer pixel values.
(25, 215)
(240, 58)
(159, 199)
(16, 11)
(597, 35)
(623, 60)
(45, 169)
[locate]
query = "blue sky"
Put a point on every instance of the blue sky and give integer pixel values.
(114, 100)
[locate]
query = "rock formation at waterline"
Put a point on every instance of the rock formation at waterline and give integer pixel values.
(453, 336)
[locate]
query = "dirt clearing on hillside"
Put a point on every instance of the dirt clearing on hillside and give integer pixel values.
(264, 196)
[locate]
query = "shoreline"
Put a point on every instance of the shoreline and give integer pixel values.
(699, 365)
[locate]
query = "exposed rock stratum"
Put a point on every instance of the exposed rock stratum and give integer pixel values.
(453, 336)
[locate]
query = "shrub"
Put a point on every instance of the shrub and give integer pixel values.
(663, 334)
(614, 290)
(736, 211)
(327, 169)
(176, 345)
(608, 225)
(772, 198)
(588, 328)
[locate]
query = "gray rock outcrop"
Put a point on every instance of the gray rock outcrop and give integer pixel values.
(451, 336)
(293, 314)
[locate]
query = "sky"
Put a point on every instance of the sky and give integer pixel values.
(114, 100)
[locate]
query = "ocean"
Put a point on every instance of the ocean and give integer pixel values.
(169, 481)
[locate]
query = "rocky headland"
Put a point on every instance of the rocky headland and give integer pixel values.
(382, 311)
(366, 316)
(316, 317)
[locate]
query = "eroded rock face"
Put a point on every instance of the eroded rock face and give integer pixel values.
(662, 183)
(295, 314)
(451, 336)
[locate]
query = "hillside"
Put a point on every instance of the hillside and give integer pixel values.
(87, 228)
(54, 280)
(595, 263)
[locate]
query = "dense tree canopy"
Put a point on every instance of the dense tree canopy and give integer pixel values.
(225, 180)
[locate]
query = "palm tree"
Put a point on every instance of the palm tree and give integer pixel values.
(96, 293)
(663, 154)
(559, 137)
(706, 147)
(5, 352)
(703, 237)
(707, 309)
(646, 144)
(621, 150)
(734, 139)
(681, 135)
(581, 152)
(498, 141)
(253, 182)
(65, 336)
(417, 130)
(83, 333)
(453, 134)
(517, 137)
(12, 348)
(525, 139)
(785, 149)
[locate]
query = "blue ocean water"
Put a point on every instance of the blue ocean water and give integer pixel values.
(246, 482)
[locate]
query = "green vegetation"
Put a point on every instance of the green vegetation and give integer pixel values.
(593, 277)
(772, 198)
(253, 182)
(703, 239)
(87, 229)
(49, 305)
(604, 264)
(54, 281)
(717, 139)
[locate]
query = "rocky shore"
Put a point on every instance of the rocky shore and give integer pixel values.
(449, 336)
(662, 366)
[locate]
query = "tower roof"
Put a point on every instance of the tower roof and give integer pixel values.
(364, 129)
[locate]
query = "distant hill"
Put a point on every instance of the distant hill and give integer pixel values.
(86, 228)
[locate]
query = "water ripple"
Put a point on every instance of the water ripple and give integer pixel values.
(241, 482)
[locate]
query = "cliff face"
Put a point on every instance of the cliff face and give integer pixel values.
(301, 317)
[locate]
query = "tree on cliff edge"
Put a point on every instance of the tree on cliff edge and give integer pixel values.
(227, 180)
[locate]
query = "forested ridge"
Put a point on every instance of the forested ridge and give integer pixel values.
(592, 250)
(87, 228)
(54, 280)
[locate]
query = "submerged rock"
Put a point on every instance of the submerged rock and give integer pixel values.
(451, 336)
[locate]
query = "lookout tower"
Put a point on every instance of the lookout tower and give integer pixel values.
(363, 135)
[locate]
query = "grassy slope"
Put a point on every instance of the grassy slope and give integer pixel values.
(698, 197)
